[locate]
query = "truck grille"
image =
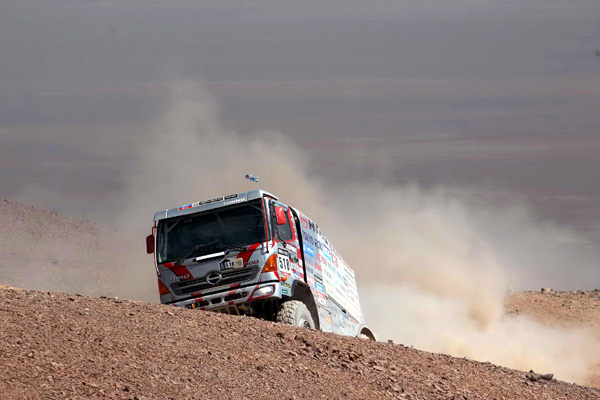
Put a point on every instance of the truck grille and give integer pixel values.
(200, 284)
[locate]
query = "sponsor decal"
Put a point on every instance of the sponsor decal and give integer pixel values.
(318, 267)
(253, 262)
(231, 263)
(201, 203)
(287, 285)
(180, 278)
(318, 279)
(319, 287)
(307, 238)
(310, 280)
(312, 226)
(309, 263)
(309, 250)
(229, 202)
(321, 298)
(292, 247)
(304, 221)
(285, 291)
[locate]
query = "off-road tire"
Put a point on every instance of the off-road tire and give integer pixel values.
(295, 313)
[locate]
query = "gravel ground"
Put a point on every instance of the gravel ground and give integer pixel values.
(559, 308)
(61, 346)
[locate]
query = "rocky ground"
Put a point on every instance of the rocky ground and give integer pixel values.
(63, 346)
(559, 308)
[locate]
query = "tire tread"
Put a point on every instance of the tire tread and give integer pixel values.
(287, 311)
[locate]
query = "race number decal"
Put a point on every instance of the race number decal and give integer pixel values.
(283, 261)
(231, 263)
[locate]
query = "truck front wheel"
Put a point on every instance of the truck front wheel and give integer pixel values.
(294, 312)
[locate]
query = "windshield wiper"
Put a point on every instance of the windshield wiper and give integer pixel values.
(237, 248)
(194, 250)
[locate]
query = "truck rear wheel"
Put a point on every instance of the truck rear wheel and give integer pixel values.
(294, 312)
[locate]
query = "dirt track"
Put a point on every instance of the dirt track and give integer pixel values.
(68, 346)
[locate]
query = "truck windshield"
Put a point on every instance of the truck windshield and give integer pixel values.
(226, 228)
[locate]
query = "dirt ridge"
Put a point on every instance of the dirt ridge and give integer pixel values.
(62, 346)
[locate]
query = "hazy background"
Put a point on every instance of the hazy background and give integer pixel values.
(500, 98)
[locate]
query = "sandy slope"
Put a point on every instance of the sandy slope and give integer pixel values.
(567, 309)
(559, 308)
(66, 346)
(44, 250)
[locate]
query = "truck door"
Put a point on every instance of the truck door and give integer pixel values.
(284, 226)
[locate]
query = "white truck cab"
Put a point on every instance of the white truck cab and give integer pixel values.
(249, 253)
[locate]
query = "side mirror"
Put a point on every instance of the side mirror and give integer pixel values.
(280, 216)
(150, 244)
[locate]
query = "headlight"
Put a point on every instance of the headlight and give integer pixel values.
(263, 292)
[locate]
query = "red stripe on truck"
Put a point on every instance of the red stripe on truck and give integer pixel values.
(245, 255)
(179, 270)
(183, 273)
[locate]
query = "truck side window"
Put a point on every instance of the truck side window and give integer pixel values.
(282, 232)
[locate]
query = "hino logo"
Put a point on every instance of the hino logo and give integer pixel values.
(214, 278)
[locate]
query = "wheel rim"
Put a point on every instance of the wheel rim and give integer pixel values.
(303, 323)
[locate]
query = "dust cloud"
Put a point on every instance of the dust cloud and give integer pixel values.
(433, 267)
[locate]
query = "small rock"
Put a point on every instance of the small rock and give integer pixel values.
(546, 290)
(396, 388)
(533, 377)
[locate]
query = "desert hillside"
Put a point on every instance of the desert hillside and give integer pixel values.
(59, 346)
(568, 309)
(44, 250)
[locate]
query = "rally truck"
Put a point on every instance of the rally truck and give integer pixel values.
(251, 254)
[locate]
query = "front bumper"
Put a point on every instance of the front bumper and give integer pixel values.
(230, 297)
